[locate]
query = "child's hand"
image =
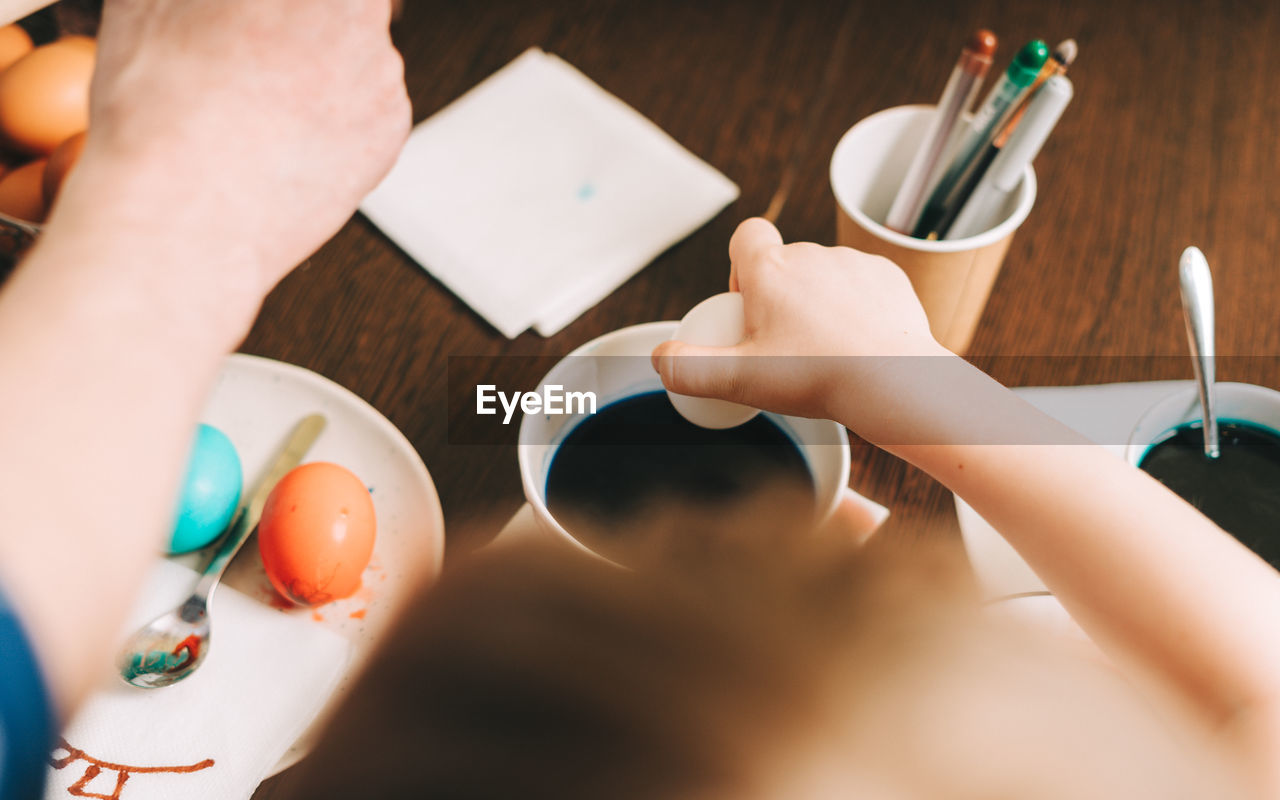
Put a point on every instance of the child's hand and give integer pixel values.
(822, 324)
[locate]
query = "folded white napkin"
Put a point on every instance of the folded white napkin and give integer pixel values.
(218, 733)
(537, 193)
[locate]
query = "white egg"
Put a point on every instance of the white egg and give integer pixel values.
(718, 321)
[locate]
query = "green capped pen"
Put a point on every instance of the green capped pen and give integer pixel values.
(987, 120)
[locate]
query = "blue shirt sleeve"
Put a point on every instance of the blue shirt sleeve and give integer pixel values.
(27, 723)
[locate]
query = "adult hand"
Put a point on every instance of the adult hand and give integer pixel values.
(244, 131)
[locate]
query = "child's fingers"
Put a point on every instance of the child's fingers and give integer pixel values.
(700, 371)
(752, 237)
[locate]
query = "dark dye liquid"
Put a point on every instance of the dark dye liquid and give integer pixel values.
(639, 450)
(1239, 490)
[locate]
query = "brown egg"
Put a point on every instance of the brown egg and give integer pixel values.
(14, 44)
(22, 192)
(60, 163)
(44, 96)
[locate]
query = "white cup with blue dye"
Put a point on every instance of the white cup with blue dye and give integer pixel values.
(616, 367)
(1240, 489)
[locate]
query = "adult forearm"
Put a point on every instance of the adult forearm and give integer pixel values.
(213, 165)
(108, 345)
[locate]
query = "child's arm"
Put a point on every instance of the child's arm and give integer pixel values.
(839, 334)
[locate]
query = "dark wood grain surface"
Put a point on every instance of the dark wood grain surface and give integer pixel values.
(1173, 138)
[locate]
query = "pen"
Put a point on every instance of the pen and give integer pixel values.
(999, 104)
(1008, 167)
(1061, 58)
(962, 86)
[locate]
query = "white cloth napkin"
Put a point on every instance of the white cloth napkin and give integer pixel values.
(537, 193)
(265, 678)
(1105, 414)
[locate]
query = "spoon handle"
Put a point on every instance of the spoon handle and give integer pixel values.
(295, 448)
(1197, 313)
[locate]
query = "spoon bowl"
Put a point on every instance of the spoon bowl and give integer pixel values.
(169, 648)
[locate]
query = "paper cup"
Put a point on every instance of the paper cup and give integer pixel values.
(616, 366)
(953, 278)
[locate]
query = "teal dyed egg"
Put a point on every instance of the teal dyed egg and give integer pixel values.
(210, 491)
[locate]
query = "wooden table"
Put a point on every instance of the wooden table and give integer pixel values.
(1173, 139)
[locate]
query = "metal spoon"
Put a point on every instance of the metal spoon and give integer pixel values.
(1197, 313)
(173, 645)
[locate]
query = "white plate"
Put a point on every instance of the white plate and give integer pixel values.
(256, 402)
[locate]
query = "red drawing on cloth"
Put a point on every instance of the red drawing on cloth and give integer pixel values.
(94, 768)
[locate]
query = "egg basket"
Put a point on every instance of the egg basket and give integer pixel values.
(78, 17)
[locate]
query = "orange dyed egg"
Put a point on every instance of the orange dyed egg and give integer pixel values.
(14, 44)
(60, 163)
(44, 96)
(316, 533)
(22, 193)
